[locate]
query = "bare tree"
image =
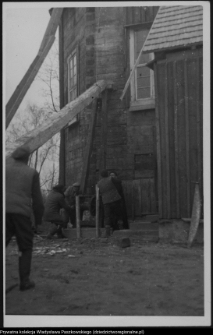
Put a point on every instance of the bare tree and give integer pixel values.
(45, 159)
(49, 76)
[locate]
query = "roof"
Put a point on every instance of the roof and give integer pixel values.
(175, 26)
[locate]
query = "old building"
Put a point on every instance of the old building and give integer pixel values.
(153, 137)
(103, 43)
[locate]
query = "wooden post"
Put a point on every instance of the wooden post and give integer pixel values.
(158, 144)
(78, 223)
(103, 131)
(187, 138)
(198, 123)
(37, 137)
(97, 211)
(88, 149)
(62, 179)
(133, 199)
(176, 143)
(167, 144)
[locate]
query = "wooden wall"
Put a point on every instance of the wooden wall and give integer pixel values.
(179, 116)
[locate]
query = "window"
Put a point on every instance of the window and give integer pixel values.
(72, 80)
(142, 83)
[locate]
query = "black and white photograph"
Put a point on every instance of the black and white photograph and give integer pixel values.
(106, 126)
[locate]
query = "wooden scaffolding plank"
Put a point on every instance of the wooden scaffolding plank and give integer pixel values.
(37, 137)
(88, 150)
(31, 73)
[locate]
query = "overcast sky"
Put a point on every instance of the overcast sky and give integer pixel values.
(24, 27)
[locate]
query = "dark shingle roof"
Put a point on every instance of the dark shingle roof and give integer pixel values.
(175, 26)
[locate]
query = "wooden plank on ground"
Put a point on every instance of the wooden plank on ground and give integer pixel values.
(86, 159)
(37, 137)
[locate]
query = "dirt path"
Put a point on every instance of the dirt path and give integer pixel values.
(96, 277)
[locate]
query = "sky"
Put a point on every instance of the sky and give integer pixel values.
(24, 27)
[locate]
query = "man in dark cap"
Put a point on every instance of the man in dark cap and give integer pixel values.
(111, 200)
(53, 205)
(23, 194)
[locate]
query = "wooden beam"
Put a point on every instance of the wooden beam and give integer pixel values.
(134, 67)
(31, 73)
(104, 129)
(25, 83)
(37, 137)
(78, 221)
(158, 144)
(187, 138)
(176, 142)
(62, 177)
(199, 177)
(167, 145)
(97, 216)
(52, 27)
(131, 74)
(88, 150)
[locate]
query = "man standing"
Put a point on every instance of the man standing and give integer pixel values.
(111, 201)
(23, 194)
(118, 184)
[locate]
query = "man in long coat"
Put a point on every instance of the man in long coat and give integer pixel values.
(23, 195)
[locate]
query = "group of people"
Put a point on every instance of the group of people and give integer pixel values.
(23, 195)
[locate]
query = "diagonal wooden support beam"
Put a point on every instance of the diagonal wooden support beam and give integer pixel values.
(26, 82)
(52, 26)
(88, 150)
(37, 137)
(31, 73)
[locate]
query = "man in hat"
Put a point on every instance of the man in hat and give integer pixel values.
(111, 200)
(70, 195)
(23, 194)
